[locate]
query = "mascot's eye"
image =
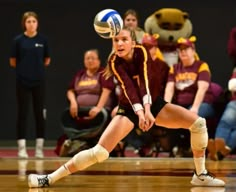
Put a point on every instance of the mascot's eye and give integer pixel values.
(177, 26)
(171, 26)
(165, 25)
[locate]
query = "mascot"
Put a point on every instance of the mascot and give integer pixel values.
(170, 24)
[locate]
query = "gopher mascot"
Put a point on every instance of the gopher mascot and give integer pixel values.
(170, 24)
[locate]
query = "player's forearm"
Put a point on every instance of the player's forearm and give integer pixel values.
(103, 98)
(202, 89)
(169, 92)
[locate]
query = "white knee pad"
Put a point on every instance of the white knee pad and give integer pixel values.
(199, 135)
(100, 153)
(86, 158)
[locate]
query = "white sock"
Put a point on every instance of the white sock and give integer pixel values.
(199, 164)
(59, 173)
(21, 143)
(39, 143)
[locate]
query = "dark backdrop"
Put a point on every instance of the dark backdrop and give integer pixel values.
(69, 27)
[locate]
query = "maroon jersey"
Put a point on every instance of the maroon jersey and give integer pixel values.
(186, 79)
(161, 70)
(88, 88)
(137, 80)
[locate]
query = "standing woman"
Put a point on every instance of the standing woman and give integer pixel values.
(29, 56)
(131, 20)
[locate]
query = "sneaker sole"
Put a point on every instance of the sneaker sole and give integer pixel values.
(29, 181)
(209, 185)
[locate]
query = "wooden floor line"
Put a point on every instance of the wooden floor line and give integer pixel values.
(116, 175)
(180, 173)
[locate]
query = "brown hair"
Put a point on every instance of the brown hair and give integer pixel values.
(131, 12)
(25, 16)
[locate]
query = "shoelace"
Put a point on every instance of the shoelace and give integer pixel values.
(42, 182)
(208, 174)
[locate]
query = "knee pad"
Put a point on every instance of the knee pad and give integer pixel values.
(100, 153)
(199, 135)
(86, 158)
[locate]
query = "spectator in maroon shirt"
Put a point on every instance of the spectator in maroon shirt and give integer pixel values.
(91, 95)
(189, 84)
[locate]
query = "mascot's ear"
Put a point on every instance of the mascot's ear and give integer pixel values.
(185, 15)
(158, 15)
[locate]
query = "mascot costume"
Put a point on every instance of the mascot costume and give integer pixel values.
(170, 24)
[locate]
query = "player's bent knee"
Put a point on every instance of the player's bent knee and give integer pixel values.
(100, 153)
(86, 158)
(199, 125)
(199, 135)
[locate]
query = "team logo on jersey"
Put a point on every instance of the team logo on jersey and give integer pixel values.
(38, 45)
(121, 111)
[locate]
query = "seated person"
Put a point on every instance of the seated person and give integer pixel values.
(189, 86)
(88, 88)
(225, 136)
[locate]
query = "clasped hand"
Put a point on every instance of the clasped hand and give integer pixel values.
(146, 120)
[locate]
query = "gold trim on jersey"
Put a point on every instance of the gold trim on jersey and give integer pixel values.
(145, 70)
(119, 78)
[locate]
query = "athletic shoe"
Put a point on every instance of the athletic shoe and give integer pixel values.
(39, 153)
(22, 153)
(208, 189)
(206, 179)
(35, 180)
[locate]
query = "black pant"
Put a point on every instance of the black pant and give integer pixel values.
(82, 128)
(24, 94)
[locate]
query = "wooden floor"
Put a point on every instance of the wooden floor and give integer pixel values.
(117, 175)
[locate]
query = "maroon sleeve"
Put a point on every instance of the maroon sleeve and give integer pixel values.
(145, 71)
(126, 84)
(129, 91)
(204, 72)
(76, 76)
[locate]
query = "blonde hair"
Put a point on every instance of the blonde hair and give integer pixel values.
(107, 71)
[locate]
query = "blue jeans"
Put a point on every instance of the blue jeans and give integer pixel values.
(226, 128)
(206, 110)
